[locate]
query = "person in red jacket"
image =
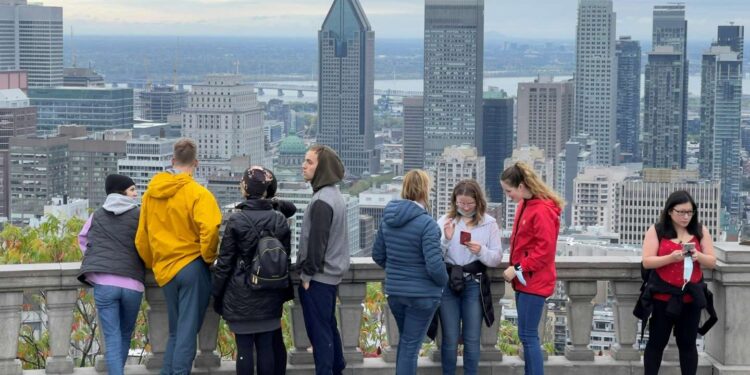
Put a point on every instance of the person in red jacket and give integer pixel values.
(532, 254)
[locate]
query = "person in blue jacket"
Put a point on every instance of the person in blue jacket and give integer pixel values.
(408, 248)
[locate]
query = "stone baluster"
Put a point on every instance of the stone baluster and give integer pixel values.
(351, 296)
(207, 340)
(101, 361)
(10, 322)
(580, 315)
(158, 327)
(626, 325)
(299, 354)
(60, 305)
(728, 342)
(488, 340)
(391, 329)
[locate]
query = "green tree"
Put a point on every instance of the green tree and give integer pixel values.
(54, 241)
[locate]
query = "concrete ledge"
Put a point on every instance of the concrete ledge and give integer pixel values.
(510, 365)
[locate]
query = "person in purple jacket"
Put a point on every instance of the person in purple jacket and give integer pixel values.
(112, 266)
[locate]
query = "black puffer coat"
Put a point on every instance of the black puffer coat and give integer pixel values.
(233, 298)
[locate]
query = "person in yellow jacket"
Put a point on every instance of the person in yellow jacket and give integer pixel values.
(177, 238)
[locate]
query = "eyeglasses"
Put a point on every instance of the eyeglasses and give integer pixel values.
(683, 213)
(466, 204)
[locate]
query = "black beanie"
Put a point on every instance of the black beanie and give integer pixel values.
(117, 183)
(255, 182)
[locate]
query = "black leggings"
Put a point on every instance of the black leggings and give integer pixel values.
(271, 353)
(686, 332)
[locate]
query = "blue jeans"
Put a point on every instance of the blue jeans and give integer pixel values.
(118, 309)
(187, 296)
(461, 314)
(319, 311)
(529, 314)
(413, 316)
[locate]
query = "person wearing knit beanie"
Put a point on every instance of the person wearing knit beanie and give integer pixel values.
(117, 183)
(112, 267)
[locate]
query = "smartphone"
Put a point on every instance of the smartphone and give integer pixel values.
(687, 249)
(465, 237)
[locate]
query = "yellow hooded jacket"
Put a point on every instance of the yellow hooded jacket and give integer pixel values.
(179, 222)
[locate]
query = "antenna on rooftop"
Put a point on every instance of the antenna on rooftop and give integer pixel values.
(72, 46)
(145, 67)
(175, 60)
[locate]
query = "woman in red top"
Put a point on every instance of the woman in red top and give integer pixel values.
(532, 254)
(664, 252)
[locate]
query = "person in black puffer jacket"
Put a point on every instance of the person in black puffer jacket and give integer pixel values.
(253, 315)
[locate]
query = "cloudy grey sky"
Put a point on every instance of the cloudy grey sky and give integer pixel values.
(536, 19)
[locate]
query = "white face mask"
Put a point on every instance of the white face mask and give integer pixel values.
(687, 270)
(466, 214)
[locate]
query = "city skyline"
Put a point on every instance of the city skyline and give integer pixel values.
(396, 19)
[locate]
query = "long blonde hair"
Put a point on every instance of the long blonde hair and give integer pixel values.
(417, 187)
(521, 173)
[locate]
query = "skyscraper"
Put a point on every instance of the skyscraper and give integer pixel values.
(161, 101)
(97, 108)
(545, 114)
(670, 27)
(571, 161)
(733, 36)
(17, 118)
(225, 120)
(629, 98)
(455, 164)
(413, 133)
(346, 53)
(453, 73)
(542, 165)
(663, 128)
(145, 157)
(91, 159)
(596, 197)
(497, 142)
(642, 200)
(31, 39)
(721, 103)
(596, 77)
(38, 172)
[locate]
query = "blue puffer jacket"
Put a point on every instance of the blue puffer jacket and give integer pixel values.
(408, 248)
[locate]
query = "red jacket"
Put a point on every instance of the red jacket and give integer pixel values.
(533, 245)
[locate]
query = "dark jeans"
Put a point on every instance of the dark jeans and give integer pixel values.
(187, 297)
(118, 310)
(319, 310)
(686, 332)
(530, 309)
(413, 316)
(461, 315)
(271, 353)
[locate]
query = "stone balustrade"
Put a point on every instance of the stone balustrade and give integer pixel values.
(727, 345)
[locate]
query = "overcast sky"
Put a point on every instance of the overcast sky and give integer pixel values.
(535, 19)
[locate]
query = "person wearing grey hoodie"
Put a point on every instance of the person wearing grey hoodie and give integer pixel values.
(323, 257)
(111, 266)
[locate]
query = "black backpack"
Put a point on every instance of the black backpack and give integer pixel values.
(269, 268)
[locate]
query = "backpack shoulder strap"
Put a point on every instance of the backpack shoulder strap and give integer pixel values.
(251, 221)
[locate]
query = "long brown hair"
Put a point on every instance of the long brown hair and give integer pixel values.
(417, 187)
(468, 188)
(521, 173)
